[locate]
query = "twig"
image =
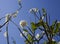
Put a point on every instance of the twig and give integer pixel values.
(20, 31)
(4, 23)
(40, 14)
(36, 16)
(30, 30)
(46, 32)
(2, 17)
(14, 42)
(7, 33)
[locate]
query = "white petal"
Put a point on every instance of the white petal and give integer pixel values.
(53, 39)
(30, 10)
(33, 10)
(25, 33)
(43, 32)
(5, 34)
(58, 42)
(58, 21)
(37, 36)
(21, 35)
(17, 11)
(42, 17)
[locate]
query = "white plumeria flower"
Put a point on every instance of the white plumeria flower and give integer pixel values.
(23, 23)
(42, 17)
(24, 32)
(5, 34)
(43, 32)
(53, 39)
(7, 17)
(58, 21)
(58, 42)
(37, 36)
(21, 35)
(33, 10)
(15, 14)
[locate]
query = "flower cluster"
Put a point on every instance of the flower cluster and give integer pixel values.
(15, 14)
(33, 10)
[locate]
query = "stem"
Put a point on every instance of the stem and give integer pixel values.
(49, 20)
(20, 31)
(2, 17)
(6, 22)
(46, 33)
(38, 42)
(50, 39)
(40, 14)
(36, 16)
(34, 36)
(41, 37)
(14, 42)
(7, 33)
(30, 30)
(41, 29)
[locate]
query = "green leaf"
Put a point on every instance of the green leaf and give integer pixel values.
(45, 25)
(44, 11)
(51, 30)
(30, 38)
(25, 30)
(58, 25)
(26, 42)
(45, 42)
(52, 42)
(57, 28)
(39, 23)
(33, 26)
(54, 23)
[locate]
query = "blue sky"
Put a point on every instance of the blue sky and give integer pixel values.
(10, 6)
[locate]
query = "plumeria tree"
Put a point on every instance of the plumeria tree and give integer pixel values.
(29, 33)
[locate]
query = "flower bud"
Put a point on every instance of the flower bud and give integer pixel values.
(7, 17)
(58, 42)
(33, 10)
(24, 32)
(42, 17)
(37, 36)
(5, 34)
(23, 23)
(15, 14)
